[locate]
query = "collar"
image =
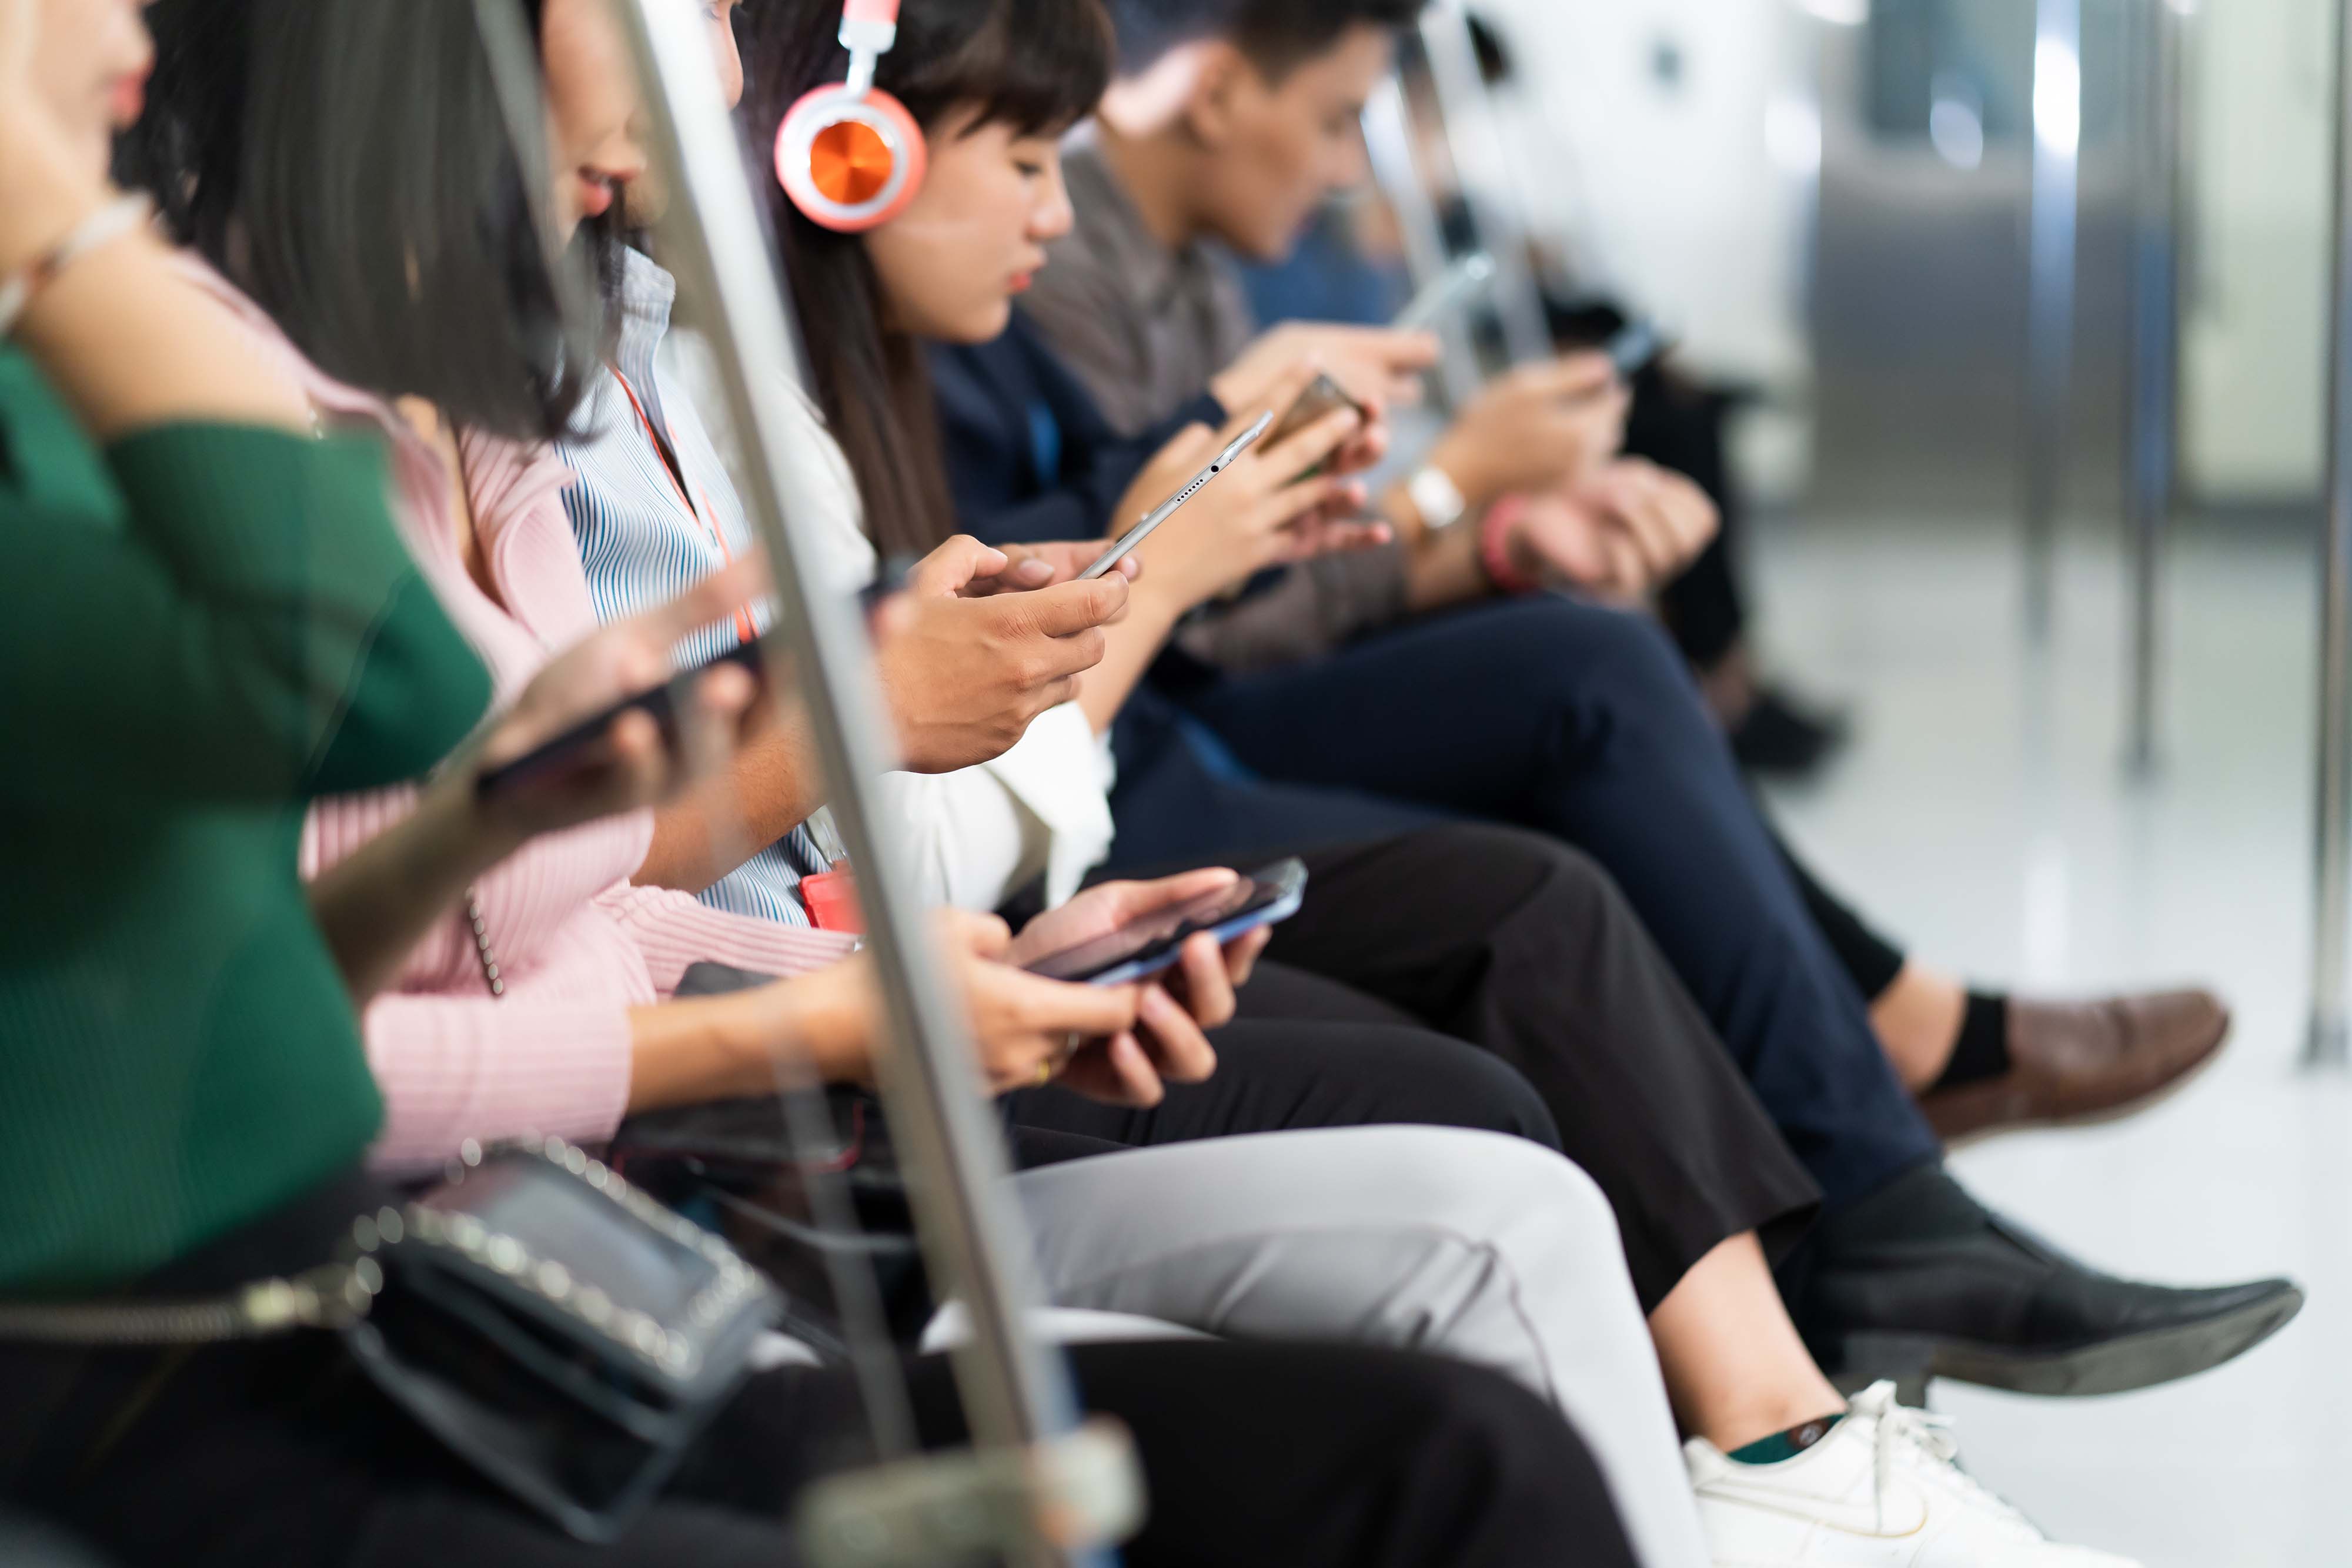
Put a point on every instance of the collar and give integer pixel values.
(647, 295)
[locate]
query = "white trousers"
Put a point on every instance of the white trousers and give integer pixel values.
(1465, 1243)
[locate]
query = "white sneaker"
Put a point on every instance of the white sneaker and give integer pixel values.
(1880, 1491)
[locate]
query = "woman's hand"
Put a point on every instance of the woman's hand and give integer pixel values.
(1276, 506)
(967, 675)
(47, 184)
(1116, 1044)
(633, 764)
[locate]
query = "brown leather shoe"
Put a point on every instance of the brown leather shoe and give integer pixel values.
(2071, 1062)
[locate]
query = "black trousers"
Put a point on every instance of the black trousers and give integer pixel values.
(1582, 723)
(1868, 957)
(281, 1452)
(1524, 949)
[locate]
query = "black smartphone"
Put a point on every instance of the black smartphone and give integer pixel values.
(660, 703)
(1152, 945)
(1637, 346)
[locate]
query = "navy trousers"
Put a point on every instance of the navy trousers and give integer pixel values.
(1582, 723)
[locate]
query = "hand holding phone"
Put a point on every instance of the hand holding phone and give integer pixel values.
(1637, 345)
(539, 767)
(1153, 943)
(1168, 507)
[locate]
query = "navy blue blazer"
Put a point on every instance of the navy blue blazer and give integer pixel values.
(1030, 457)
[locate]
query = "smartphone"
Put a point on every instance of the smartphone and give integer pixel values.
(1152, 945)
(1453, 288)
(1323, 396)
(1167, 509)
(660, 703)
(1636, 346)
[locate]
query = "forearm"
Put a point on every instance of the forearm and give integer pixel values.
(130, 343)
(376, 905)
(701, 1049)
(1441, 565)
(774, 786)
(1132, 644)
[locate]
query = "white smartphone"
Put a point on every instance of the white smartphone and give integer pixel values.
(1167, 508)
(1449, 291)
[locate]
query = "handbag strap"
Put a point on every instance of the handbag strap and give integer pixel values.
(332, 1296)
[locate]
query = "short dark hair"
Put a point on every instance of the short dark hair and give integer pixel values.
(347, 163)
(1276, 35)
(1037, 66)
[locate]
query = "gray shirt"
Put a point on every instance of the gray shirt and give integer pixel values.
(1146, 326)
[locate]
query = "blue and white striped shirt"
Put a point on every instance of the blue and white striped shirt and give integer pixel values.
(642, 543)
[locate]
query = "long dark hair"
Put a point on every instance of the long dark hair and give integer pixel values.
(1038, 66)
(346, 162)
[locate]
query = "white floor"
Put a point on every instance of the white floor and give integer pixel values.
(1983, 814)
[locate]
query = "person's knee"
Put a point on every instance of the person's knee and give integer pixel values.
(1557, 889)
(1445, 1082)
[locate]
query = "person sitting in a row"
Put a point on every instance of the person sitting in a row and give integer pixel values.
(213, 624)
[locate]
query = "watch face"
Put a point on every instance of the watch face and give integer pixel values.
(1437, 497)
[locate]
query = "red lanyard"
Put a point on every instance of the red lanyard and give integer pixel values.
(703, 513)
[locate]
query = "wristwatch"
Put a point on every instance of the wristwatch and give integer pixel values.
(1437, 497)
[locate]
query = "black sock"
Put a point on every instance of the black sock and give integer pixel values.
(1982, 1050)
(1785, 1445)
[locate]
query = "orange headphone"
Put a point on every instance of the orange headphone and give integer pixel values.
(849, 155)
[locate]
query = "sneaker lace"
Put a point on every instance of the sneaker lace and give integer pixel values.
(1903, 1430)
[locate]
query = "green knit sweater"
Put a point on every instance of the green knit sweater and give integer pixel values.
(201, 629)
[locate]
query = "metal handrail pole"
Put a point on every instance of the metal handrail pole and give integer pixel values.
(2332, 849)
(1474, 134)
(1016, 1393)
(2152, 402)
(2050, 295)
(1397, 172)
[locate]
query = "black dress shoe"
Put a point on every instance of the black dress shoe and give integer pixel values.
(1781, 739)
(1920, 1281)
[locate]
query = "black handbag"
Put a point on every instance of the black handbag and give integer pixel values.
(557, 1329)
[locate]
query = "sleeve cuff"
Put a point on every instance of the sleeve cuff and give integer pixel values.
(676, 932)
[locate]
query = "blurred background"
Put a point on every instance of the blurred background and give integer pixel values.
(2025, 308)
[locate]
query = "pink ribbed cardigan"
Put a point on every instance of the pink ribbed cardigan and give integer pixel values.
(577, 945)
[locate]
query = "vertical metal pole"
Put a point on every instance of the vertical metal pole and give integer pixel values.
(1387, 138)
(2050, 293)
(1015, 1392)
(1474, 134)
(2332, 874)
(2151, 412)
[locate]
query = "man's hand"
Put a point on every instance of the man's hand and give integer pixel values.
(1048, 565)
(1621, 535)
(967, 677)
(1536, 428)
(1378, 368)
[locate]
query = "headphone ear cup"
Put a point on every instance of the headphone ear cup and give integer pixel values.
(850, 162)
